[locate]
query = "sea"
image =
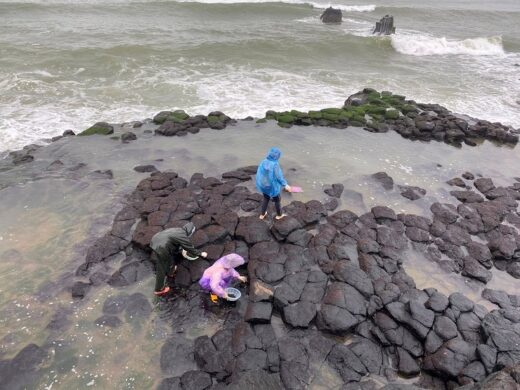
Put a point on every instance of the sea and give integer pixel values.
(65, 64)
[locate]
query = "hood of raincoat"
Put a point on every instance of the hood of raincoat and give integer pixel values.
(274, 154)
(189, 228)
(231, 261)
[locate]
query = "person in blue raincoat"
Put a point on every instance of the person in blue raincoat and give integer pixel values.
(270, 180)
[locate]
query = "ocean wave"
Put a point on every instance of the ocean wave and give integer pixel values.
(424, 45)
(317, 5)
(346, 8)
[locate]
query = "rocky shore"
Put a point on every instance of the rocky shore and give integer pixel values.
(327, 288)
(374, 111)
(329, 302)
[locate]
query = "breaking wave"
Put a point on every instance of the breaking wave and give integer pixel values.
(424, 45)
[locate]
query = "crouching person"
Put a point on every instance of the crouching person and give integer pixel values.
(169, 247)
(220, 275)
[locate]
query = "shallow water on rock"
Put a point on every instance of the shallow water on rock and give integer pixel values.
(51, 213)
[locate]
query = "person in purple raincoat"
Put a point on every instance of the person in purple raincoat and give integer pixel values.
(221, 274)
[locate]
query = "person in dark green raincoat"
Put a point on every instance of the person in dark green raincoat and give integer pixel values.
(169, 247)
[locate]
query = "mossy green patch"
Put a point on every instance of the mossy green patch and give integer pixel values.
(378, 110)
(98, 128)
(263, 120)
(299, 114)
(356, 124)
(180, 114)
(285, 118)
(212, 119)
(408, 108)
(377, 101)
(284, 125)
(377, 117)
(392, 114)
(360, 119)
(161, 117)
(315, 114)
(330, 117)
(334, 111)
(345, 114)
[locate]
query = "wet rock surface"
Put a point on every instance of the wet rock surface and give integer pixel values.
(306, 295)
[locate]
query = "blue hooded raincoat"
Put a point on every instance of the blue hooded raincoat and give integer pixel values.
(269, 176)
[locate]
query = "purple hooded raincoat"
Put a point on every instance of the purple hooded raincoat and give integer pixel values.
(220, 275)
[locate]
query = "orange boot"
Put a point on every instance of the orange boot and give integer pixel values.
(162, 292)
(213, 298)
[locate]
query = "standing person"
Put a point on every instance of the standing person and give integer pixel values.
(168, 246)
(220, 275)
(270, 180)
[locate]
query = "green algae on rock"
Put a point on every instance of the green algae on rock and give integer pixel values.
(101, 128)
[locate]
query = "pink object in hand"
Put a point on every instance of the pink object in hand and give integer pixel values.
(296, 189)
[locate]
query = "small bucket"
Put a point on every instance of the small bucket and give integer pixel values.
(233, 294)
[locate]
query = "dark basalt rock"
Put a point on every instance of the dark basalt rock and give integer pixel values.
(138, 307)
(383, 212)
(331, 15)
(444, 212)
(451, 358)
(130, 273)
(145, 168)
(183, 350)
(437, 302)
(501, 328)
(460, 302)
(386, 181)
(195, 380)
(252, 230)
(468, 176)
(108, 321)
(385, 26)
(115, 304)
(258, 312)
(335, 190)
(457, 181)
(407, 365)
(306, 278)
(299, 314)
(475, 270)
(128, 136)
(411, 192)
(23, 370)
(467, 196)
(80, 289)
(484, 184)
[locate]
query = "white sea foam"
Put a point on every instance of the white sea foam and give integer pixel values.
(425, 45)
(346, 8)
(343, 7)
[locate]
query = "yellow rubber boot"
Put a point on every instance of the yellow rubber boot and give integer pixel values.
(213, 298)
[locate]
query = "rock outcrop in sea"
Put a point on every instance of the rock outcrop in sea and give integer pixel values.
(385, 26)
(332, 16)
